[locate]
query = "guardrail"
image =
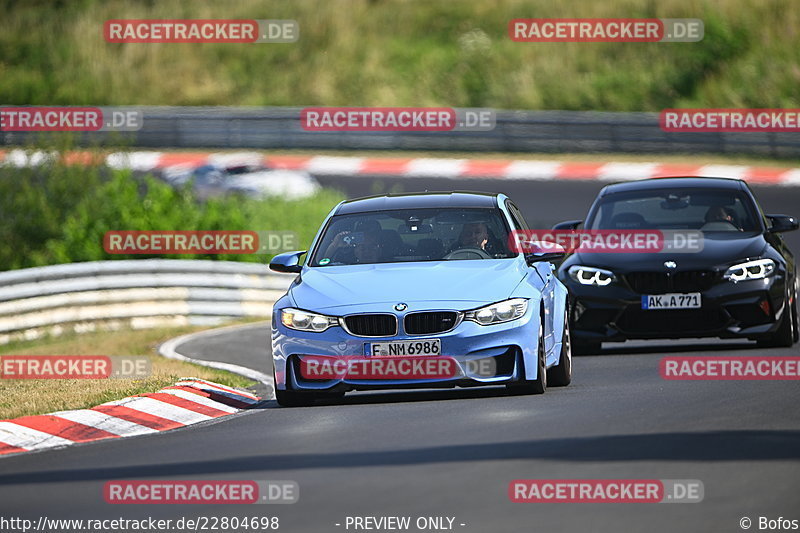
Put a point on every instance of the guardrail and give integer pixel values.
(515, 131)
(132, 293)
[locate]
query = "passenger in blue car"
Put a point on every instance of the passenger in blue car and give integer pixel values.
(362, 246)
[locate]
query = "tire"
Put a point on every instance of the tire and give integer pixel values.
(585, 347)
(293, 399)
(290, 398)
(561, 374)
(332, 396)
(795, 320)
(786, 334)
(538, 385)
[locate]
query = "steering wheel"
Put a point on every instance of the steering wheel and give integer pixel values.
(719, 225)
(468, 253)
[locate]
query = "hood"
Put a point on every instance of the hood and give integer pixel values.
(476, 282)
(719, 249)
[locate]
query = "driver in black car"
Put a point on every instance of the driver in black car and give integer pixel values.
(719, 213)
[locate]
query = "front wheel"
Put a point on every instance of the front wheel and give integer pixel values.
(786, 334)
(290, 398)
(561, 374)
(293, 399)
(538, 385)
(795, 320)
(586, 347)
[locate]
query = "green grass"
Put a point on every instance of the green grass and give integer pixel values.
(22, 397)
(405, 53)
(56, 213)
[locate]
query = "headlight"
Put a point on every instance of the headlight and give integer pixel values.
(306, 321)
(591, 276)
(758, 269)
(504, 311)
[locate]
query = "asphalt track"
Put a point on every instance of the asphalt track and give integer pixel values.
(454, 452)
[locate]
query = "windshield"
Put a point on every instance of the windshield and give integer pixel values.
(413, 235)
(707, 210)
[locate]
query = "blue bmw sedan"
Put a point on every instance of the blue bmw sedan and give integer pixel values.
(419, 290)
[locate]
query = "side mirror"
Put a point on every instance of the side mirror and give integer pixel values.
(538, 258)
(568, 224)
(548, 251)
(780, 223)
(288, 262)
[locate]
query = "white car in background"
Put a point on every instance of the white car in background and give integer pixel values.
(241, 174)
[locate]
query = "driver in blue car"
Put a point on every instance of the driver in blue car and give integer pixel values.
(474, 235)
(477, 235)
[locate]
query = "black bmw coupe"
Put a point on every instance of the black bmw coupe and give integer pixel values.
(742, 284)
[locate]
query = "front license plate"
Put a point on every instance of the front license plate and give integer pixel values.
(672, 300)
(405, 348)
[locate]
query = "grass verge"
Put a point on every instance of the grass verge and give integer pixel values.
(403, 53)
(23, 397)
(56, 213)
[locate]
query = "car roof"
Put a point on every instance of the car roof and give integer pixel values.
(417, 200)
(681, 182)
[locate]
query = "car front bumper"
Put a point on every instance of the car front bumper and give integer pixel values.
(748, 309)
(506, 348)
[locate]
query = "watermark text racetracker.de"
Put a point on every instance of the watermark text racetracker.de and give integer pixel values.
(216, 492)
(140, 31)
(395, 368)
(626, 30)
(730, 120)
(37, 118)
(177, 242)
(730, 368)
(606, 491)
(606, 241)
(74, 367)
(430, 119)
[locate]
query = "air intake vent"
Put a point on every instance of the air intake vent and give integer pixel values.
(670, 322)
(663, 282)
(430, 322)
(377, 325)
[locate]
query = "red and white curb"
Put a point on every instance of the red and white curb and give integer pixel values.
(189, 401)
(427, 167)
